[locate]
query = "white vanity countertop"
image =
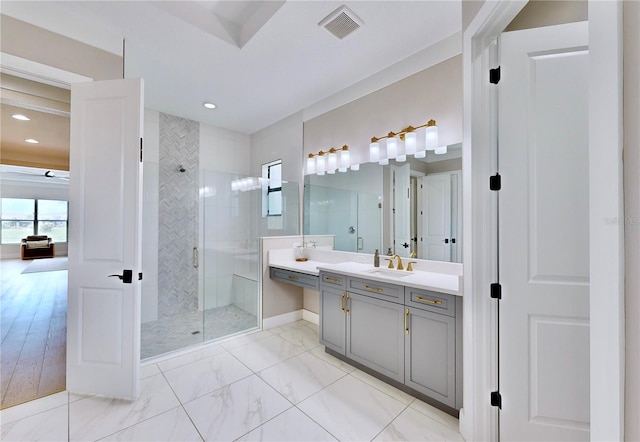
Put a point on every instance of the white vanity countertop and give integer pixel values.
(427, 275)
(420, 279)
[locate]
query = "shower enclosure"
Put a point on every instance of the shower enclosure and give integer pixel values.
(201, 228)
(207, 267)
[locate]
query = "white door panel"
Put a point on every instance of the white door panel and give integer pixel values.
(402, 223)
(544, 234)
(103, 344)
(437, 216)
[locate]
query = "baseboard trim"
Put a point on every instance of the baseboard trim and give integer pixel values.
(278, 320)
(287, 318)
(308, 315)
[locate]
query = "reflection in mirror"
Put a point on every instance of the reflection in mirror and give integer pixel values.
(347, 206)
(411, 208)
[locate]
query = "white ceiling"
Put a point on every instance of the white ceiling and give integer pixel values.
(258, 61)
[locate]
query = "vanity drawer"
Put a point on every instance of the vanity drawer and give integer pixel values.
(333, 280)
(294, 278)
(380, 290)
(431, 301)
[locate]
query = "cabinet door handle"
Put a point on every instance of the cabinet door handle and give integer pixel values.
(406, 326)
(337, 281)
(293, 278)
(428, 301)
(342, 301)
(373, 289)
(346, 309)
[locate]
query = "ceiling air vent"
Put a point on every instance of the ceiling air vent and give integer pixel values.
(341, 22)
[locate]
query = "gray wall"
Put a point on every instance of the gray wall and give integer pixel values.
(539, 13)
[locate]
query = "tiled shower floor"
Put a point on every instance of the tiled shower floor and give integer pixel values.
(167, 334)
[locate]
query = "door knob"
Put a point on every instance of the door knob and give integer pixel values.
(126, 277)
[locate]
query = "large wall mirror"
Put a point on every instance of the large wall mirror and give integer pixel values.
(411, 208)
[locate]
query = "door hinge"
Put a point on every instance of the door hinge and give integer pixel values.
(140, 276)
(494, 75)
(141, 150)
(496, 290)
(496, 399)
(495, 182)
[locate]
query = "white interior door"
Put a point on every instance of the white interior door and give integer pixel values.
(544, 234)
(103, 336)
(436, 218)
(402, 222)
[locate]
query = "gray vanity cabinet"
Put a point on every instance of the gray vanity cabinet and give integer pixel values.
(332, 327)
(374, 337)
(430, 356)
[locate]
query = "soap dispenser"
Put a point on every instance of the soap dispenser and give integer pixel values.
(376, 259)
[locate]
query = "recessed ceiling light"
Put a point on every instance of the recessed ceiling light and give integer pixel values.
(32, 141)
(21, 117)
(209, 105)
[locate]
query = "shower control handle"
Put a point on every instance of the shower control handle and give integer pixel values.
(195, 257)
(126, 277)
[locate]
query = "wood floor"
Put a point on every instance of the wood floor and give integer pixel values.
(34, 333)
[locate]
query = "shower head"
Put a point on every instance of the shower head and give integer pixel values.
(180, 168)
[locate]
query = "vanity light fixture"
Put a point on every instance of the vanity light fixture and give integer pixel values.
(374, 150)
(332, 161)
(311, 164)
(31, 141)
(320, 163)
(20, 117)
(209, 105)
(409, 136)
(345, 159)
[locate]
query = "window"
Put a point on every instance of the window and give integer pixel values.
(22, 217)
(272, 192)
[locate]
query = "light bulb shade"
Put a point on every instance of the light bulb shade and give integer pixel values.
(401, 158)
(311, 165)
(374, 152)
(440, 150)
(355, 167)
(410, 143)
(421, 154)
(431, 137)
(392, 147)
(384, 161)
(320, 173)
(321, 166)
(331, 171)
(345, 159)
(332, 162)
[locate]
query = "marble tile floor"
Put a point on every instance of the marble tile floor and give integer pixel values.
(175, 332)
(272, 385)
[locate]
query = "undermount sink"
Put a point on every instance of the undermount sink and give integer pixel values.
(389, 273)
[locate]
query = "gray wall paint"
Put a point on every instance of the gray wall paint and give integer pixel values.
(539, 13)
(178, 216)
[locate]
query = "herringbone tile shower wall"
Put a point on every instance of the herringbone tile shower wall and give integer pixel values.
(178, 215)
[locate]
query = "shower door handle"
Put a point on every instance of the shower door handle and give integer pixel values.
(126, 277)
(195, 257)
(360, 243)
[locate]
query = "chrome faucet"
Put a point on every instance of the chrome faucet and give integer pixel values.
(399, 266)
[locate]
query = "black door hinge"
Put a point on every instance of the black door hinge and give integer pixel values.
(494, 75)
(496, 399)
(495, 182)
(141, 150)
(140, 276)
(496, 290)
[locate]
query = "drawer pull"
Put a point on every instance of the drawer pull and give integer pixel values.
(428, 301)
(346, 308)
(373, 289)
(337, 281)
(342, 301)
(406, 327)
(293, 278)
